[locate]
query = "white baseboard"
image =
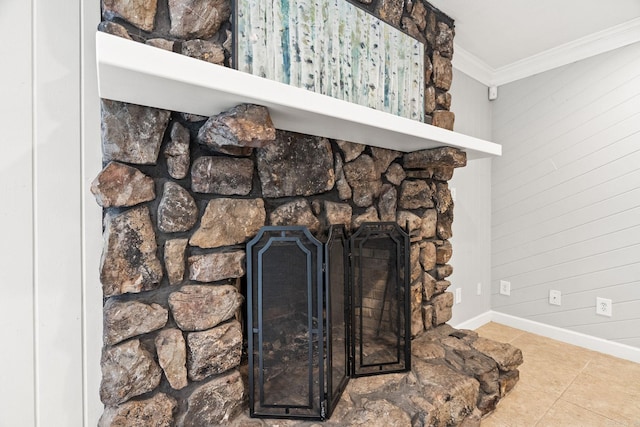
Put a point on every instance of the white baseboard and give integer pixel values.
(475, 322)
(560, 334)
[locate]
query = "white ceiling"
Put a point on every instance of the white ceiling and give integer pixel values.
(499, 37)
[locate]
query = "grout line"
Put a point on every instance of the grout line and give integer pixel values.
(565, 388)
(587, 409)
(522, 333)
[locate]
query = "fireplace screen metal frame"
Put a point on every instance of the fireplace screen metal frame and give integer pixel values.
(303, 329)
(380, 300)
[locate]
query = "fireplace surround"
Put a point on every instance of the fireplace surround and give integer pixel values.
(179, 208)
(174, 266)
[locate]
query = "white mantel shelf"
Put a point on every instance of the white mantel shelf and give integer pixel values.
(133, 72)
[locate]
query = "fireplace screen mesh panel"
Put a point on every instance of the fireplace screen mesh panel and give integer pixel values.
(285, 302)
(379, 300)
(336, 285)
(318, 314)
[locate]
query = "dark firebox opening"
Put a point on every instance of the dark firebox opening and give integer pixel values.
(318, 314)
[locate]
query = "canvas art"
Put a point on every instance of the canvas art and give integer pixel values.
(334, 48)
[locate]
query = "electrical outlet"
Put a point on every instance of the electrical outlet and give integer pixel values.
(555, 297)
(458, 295)
(505, 287)
(604, 307)
(479, 288)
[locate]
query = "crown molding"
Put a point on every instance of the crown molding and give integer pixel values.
(583, 48)
(471, 65)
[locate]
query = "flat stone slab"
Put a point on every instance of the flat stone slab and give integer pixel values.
(295, 165)
(215, 402)
(129, 263)
(214, 351)
(177, 210)
(245, 125)
(121, 185)
(197, 18)
(127, 319)
(445, 156)
(222, 175)
(216, 266)
(132, 133)
(128, 370)
(200, 307)
(229, 221)
(172, 357)
(155, 411)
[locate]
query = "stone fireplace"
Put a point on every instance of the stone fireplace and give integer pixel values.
(182, 195)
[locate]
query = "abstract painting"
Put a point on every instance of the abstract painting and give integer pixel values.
(334, 48)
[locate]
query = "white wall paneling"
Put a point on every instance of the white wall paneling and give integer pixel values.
(566, 195)
(52, 351)
(57, 189)
(18, 391)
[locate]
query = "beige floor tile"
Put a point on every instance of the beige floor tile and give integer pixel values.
(612, 399)
(614, 369)
(564, 385)
(523, 407)
(566, 414)
(492, 421)
(552, 377)
(498, 332)
(547, 366)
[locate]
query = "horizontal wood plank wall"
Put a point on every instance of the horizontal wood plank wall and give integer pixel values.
(566, 195)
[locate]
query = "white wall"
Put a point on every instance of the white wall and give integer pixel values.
(566, 195)
(472, 214)
(46, 376)
(16, 215)
(91, 158)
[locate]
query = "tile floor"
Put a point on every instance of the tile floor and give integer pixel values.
(564, 385)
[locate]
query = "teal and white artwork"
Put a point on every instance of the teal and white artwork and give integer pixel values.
(334, 48)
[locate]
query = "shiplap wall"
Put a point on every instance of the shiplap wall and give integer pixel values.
(472, 214)
(566, 195)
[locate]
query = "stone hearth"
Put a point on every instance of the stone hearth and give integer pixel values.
(456, 378)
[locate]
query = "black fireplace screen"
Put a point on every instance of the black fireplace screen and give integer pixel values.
(319, 313)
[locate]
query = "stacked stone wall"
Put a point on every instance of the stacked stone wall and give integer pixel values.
(178, 211)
